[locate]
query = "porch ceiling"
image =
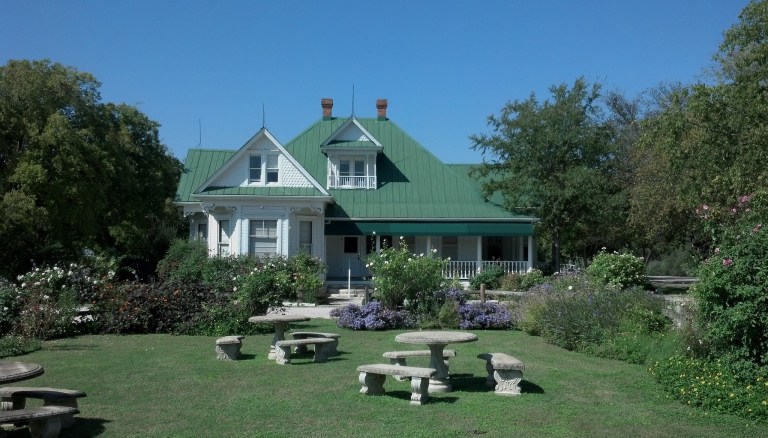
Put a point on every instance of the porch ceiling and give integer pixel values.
(429, 228)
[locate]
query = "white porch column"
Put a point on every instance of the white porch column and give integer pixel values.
(213, 234)
(429, 245)
(478, 268)
(531, 252)
(378, 243)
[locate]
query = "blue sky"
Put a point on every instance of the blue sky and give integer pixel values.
(444, 66)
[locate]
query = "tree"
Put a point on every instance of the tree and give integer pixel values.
(76, 173)
(556, 160)
(709, 144)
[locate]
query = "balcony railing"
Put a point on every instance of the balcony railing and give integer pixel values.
(351, 182)
(464, 270)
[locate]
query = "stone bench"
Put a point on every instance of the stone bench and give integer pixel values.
(44, 421)
(504, 372)
(283, 349)
(228, 347)
(372, 378)
(399, 357)
(15, 397)
(331, 349)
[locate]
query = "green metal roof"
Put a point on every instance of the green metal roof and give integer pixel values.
(417, 194)
(260, 191)
(413, 183)
(353, 144)
(198, 167)
(202, 163)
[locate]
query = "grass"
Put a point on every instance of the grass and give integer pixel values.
(173, 386)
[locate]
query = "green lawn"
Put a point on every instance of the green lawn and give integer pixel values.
(173, 386)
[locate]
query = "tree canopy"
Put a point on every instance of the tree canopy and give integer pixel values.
(76, 173)
(709, 145)
(558, 160)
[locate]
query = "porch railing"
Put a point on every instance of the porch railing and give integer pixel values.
(351, 182)
(464, 270)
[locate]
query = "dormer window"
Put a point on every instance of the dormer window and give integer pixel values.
(351, 152)
(352, 172)
(263, 169)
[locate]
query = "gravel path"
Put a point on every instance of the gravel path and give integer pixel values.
(318, 311)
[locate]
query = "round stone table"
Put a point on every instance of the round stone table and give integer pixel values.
(436, 341)
(16, 371)
(281, 323)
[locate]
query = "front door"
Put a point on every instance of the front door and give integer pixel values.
(352, 258)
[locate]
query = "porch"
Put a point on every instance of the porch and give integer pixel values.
(466, 270)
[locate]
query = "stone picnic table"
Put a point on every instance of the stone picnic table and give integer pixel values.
(16, 371)
(281, 323)
(436, 341)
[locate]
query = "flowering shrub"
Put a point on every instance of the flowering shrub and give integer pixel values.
(46, 299)
(522, 282)
(399, 275)
(731, 291)
(622, 270)
(583, 314)
(484, 316)
(490, 276)
(712, 384)
(372, 316)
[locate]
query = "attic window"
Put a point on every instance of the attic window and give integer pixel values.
(259, 165)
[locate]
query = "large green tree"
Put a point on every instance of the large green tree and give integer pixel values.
(558, 160)
(76, 173)
(709, 145)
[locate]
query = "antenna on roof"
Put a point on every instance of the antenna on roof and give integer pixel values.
(199, 132)
(353, 100)
(263, 116)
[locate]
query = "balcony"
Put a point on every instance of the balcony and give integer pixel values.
(351, 182)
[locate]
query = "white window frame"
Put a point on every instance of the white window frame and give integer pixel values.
(268, 170)
(257, 170)
(252, 235)
(359, 172)
(224, 237)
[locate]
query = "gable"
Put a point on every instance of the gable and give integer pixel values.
(226, 172)
(413, 184)
(351, 137)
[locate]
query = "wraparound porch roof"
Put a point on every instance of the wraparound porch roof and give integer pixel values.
(429, 228)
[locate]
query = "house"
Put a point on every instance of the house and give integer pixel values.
(343, 188)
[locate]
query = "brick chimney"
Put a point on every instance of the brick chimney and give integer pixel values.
(327, 105)
(381, 107)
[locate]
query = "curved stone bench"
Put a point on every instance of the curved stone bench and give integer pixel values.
(15, 398)
(504, 372)
(331, 349)
(283, 349)
(372, 378)
(228, 347)
(44, 421)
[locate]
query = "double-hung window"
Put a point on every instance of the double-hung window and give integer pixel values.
(272, 169)
(352, 173)
(305, 236)
(254, 169)
(262, 239)
(263, 169)
(224, 233)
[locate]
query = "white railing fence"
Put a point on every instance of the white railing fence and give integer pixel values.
(360, 182)
(464, 270)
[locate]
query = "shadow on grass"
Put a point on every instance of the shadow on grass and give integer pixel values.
(65, 347)
(472, 383)
(468, 383)
(527, 387)
(248, 356)
(83, 428)
(406, 395)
